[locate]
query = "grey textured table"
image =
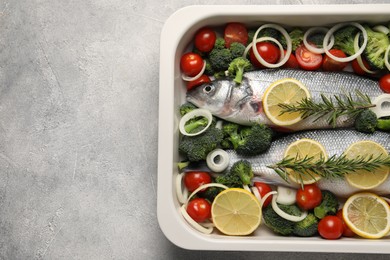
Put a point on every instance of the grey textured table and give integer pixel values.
(78, 131)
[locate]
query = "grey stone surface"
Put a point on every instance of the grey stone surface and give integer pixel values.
(78, 131)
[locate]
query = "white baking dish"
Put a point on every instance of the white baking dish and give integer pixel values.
(176, 36)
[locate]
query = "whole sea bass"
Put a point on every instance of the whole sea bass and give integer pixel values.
(243, 103)
(335, 141)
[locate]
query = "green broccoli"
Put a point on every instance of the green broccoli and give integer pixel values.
(377, 44)
(329, 205)
(307, 227)
(296, 36)
(210, 193)
(186, 107)
(237, 49)
(220, 59)
(384, 124)
(278, 224)
(251, 34)
(366, 121)
(344, 38)
(219, 43)
(270, 32)
(317, 39)
(209, 70)
(197, 147)
(239, 174)
(237, 68)
(248, 140)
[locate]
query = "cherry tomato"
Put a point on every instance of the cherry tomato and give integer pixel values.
(235, 32)
(347, 232)
(292, 62)
(205, 39)
(330, 227)
(384, 83)
(309, 197)
(203, 79)
(193, 180)
(330, 64)
(191, 64)
(199, 209)
(263, 189)
(356, 67)
(308, 60)
(268, 51)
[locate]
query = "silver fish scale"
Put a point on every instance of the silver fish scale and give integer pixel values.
(335, 143)
(319, 82)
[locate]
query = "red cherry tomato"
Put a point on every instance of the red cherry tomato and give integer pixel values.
(347, 232)
(384, 83)
(292, 62)
(308, 60)
(309, 197)
(330, 64)
(191, 64)
(199, 209)
(205, 39)
(235, 32)
(356, 67)
(203, 79)
(268, 51)
(330, 227)
(193, 180)
(263, 189)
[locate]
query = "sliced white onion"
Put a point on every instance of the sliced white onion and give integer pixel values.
(217, 160)
(359, 58)
(256, 192)
(283, 214)
(246, 187)
(327, 45)
(288, 41)
(286, 195)
(311, 47)
(187, 78)
(263, 39)
(387, 57)
(193, 223)
(182, 195)
(205, 186)
(199, 112)
(266, 196)
(381, 28)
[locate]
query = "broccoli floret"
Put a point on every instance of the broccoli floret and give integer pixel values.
(269, 32)
(210, 193)
(237, 68)
(248, 140)
(276, 223)
(239, 174)
(195, 124)
(344, 38)
(329, 205)
(197, 147)
(237, 49)
(220, 59)
(219, 43)
(317, 39)
(384, 124)
(374, 52)
(251, 34)
(307, 227)
(366, 121)
(186, 107)
(296, 36)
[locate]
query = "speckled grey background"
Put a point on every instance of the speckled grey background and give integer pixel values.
(78, 131)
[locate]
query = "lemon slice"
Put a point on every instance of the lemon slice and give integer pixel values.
(305, 148)
(367, 215)
(236, 212)
(364, 179)
(285, 91)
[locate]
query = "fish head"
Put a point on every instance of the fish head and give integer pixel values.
(220, 97)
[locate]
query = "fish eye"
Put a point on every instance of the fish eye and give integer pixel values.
(208, 88)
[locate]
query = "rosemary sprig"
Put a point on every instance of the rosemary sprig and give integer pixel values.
(333, 167)
(331, 108)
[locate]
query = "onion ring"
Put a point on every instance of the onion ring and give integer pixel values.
(309, 46)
